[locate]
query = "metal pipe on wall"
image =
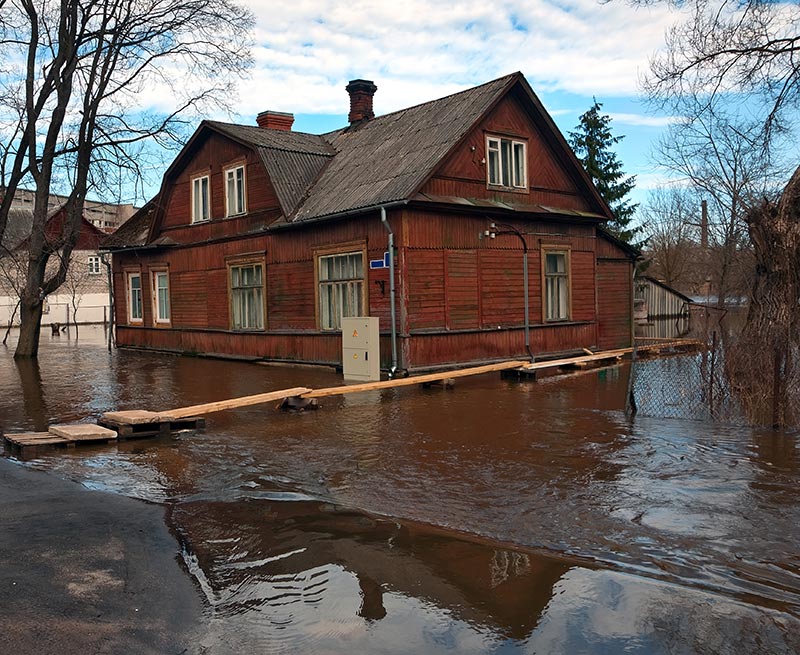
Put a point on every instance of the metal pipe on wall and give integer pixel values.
(392, 292)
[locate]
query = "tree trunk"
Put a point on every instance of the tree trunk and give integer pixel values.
(30, 312)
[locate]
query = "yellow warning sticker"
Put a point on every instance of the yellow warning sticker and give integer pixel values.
(355, 333)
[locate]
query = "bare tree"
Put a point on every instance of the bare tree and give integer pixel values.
(72, 113)
(722, 159)
(742, 48)
(672, 230)
(12, 279)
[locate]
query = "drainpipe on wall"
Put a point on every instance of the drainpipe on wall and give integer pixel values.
(392, 293)
(110, 300)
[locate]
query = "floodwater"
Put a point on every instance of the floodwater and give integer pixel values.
(496, 517)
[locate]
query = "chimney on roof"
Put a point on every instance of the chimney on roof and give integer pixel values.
(361, 92)
(275, 120)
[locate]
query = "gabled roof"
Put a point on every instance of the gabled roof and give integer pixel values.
(53, 228)
(388, 158)
(18, 228)
(381, 161)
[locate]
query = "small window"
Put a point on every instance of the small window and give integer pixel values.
(134, 298)
(247, 297)
(506, 163)
(234, 191)
(161, 296)
(341, 288)
(94, 265)
(556, 277)
(201, 199)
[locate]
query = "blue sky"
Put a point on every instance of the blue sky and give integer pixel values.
(418, 50)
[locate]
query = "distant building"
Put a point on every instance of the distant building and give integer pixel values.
(106, 216)
(87, 279)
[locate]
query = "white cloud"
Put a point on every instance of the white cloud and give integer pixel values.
(417, 50)
(642, 120)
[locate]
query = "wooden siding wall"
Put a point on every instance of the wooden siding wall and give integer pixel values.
(212, 157)
(463, 174)
(200, 312)
(614, 287)
(461, 302)
(467, 299)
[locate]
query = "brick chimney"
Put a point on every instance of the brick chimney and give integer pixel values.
(275, 120)
(361, 92)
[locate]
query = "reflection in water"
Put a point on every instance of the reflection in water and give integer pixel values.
(33, 403)
(499, 517)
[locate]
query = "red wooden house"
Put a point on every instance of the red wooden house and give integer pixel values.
(262, 238)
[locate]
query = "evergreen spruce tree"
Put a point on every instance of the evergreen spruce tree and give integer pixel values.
(592, 142)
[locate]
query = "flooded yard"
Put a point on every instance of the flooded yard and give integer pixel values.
(496, 517)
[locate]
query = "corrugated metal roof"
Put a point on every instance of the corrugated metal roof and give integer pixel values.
(292, 174)
(387, 158)
(276, 139)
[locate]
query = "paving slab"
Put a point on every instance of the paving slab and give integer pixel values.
(83, 432)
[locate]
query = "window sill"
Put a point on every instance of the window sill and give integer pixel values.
(507, 189)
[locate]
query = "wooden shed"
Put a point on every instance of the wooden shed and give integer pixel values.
(261, 238)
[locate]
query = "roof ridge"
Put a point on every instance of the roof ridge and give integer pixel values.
(471, 89)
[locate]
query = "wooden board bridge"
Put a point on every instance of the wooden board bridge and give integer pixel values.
(137, 423)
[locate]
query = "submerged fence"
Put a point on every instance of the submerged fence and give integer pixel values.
(725, 381)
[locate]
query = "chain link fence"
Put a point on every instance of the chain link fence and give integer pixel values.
(705, 372)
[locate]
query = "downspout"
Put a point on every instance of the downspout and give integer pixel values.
(392, 292)
(109, 278)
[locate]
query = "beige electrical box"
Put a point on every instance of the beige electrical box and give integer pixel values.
(361, 354)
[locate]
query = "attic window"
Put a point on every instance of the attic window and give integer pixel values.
(506, 163)
(234, 191)
(201, 199)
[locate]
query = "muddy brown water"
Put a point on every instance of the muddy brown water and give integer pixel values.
(497, 517)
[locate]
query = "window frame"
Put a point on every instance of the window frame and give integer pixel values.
(518, 186)
(199, 177)
(94, 259)
(239, 262)
(129, 274)
(232, 168)
(154, 274)
(564, 250)
(352, 248)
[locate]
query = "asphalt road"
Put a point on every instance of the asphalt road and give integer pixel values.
(89, 572)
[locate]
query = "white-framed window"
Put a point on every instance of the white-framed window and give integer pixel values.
(234, 191)
(94, 264)
(201, 199)
(506, 162)
(341, 288)
(161, 311)
(247, 296)
(556, 285)
(135, 298)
